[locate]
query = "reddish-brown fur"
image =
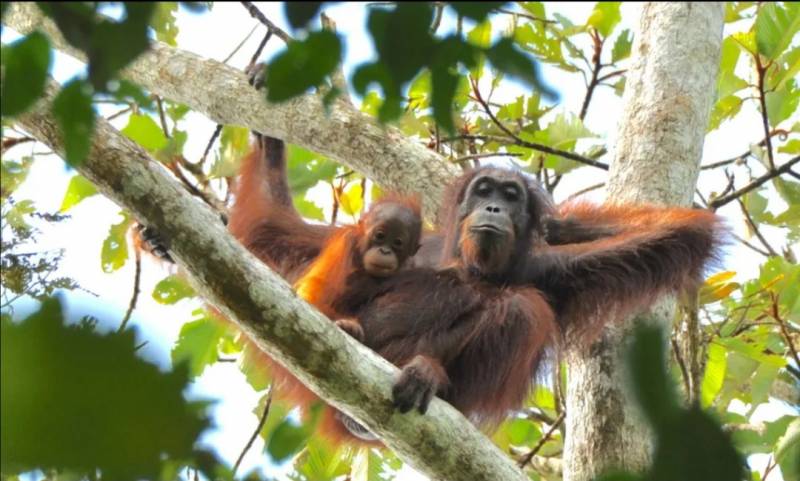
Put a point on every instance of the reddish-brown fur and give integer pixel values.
(479, 340)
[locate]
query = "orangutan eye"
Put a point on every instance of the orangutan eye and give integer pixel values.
(398, 243)
(380, 236)
(512, 194)
(483, 189)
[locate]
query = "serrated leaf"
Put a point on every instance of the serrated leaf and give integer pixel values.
(163, 23)
(286, 440)
(714, 375)
(197, 344)
(782, 103)
(78, 189)
(172, 289)
(622, 46)
(143, 130)
(775, 27)
(787, 452)
(115, 247)
(25, 66)
(73, 110)
(724, 109)
(605, 17)
(304, 64)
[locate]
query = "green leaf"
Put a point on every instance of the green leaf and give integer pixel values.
(163, 22)
(605, 17)
(94, 378)
(198, 344)
(304, 64)
(172, 289)
(73, 110)
(79, 188)
(12, 174)
(481, 37)
(25, 66)
(444, 85)
(300, 13)
(476, 11)
(728, 83)
(109, 45)
(775, 27)
(651, 384)
(305, 169)
(505, 57)
(787, 452)
(725, 109)
(622, 47)
(714, 374)
(286, 440)
(367, 465)
(143, 130)
(308, 209)
(115, 247)
(782, 103)
(320, 462)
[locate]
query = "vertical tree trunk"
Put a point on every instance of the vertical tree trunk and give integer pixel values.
(668, 99)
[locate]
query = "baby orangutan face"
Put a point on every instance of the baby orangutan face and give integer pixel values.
(391, 235)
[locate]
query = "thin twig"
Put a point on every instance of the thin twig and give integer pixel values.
(260, 48)
(527, 458)
(135, 296)
(762, 98)
(611, 75)
(485, 155)
(597, 51)
(720, 201)
(755, 229)
(252, 439)
(523, 15)
(210, 144)
(162, 117)
(14, 141)
(751, 246)
(241, 44)
(776, 315)
(437, 17)
(117, 114)
(586, 190)
(676, 351)
(783, 133)
(531, 145)
(258, 15)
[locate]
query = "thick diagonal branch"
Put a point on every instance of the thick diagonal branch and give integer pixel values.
(222, 93)
(442, 443)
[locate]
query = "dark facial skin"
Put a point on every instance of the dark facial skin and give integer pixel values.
(494, 205)
(392, 234)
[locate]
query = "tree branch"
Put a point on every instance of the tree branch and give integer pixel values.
(222, 93)
(720, 201)
(442, 444)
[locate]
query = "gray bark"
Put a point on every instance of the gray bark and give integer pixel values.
(442, 444)
(346, 135)
(667, 103)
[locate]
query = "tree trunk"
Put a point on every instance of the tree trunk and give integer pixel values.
(668, 99)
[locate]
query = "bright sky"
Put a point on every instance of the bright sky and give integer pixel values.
(215, 35)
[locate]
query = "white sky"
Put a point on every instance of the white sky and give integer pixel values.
(215, 35)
